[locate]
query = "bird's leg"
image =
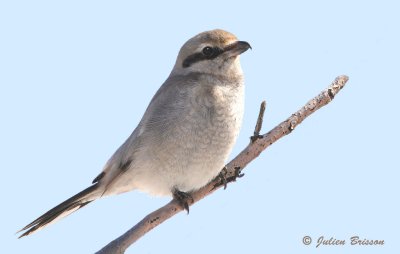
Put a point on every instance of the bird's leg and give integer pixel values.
(183, 198)
(222, 177)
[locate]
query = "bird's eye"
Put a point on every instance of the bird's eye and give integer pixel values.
(208, 51)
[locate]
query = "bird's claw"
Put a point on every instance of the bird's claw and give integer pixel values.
(223, 180)
(183, 199)
(222, 177)
(238, 172)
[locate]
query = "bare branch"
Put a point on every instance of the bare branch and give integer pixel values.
(232, 169)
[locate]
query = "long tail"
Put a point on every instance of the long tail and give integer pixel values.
(65, 208)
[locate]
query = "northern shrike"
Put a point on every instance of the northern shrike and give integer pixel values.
(186, 133)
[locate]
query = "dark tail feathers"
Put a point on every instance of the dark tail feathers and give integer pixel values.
(65, 208)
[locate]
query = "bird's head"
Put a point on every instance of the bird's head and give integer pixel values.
(211, 52)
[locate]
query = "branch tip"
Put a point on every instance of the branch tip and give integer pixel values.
(259, 123)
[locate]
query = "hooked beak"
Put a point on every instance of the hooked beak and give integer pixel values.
(237, 48)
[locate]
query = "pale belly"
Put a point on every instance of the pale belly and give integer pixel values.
(187, 153)
(191, 159)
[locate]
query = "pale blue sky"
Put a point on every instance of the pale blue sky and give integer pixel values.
(76, 77)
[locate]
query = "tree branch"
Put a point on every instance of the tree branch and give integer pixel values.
(232, 169)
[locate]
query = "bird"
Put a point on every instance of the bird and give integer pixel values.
(185, 135)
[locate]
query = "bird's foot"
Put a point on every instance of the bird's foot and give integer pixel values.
(183, 199)
(238, 172)
(222, 178)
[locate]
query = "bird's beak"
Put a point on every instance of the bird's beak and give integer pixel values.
(236, 48)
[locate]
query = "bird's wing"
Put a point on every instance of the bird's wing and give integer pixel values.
(165, 108)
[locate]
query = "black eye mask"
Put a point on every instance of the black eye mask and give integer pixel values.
(208, 53)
